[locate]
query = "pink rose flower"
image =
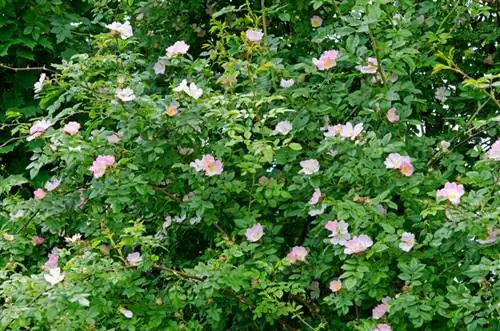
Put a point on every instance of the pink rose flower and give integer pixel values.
(335, 286)
(71, 128)
(100, 165)
(39, 194)
(327, 60)
(254, 36)
(350, 132)
(316, 21)
(209, 165)
(51, 185)
(379, 311)
(179, 47)
(392, 116)
(371, 68)
(406, 168)
(51, 262)
(382, 327)
(298, 254)
(124, 30)
(451, 191)
(37, 241)
(255, 232)
(357, 244)
(399, 162)
(114, 138)
(309, 167)
(407, 241)
(316, 196)
(37, 129)
(283, 128)
(134, 259)
(125, 95)
(339, 233)
(171, 109)
(332, 131)
(494, 152)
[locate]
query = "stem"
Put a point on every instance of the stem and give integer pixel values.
(264, 21)
(168, 194)
(25, 68)
(377, 55)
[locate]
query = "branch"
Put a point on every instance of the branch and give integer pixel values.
(315, 311)
(180, 273)
(168, 194)
(25, 68)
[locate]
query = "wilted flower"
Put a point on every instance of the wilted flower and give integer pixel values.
(126, 94)
(316, 212)
(442, 93)
(491, 239)
(494, 151)
(124, 30)
(254, 35)
(134, 259)
(54, 276)
(37, 241)
(7, 237)
(357, 244)
(335, 286)
(339, 234)
(286, 83)
(37, 129)
(39, 84)
(309, 167)
(444, 145)
(316, 196)
(179, 47)
(316, 21)
(451, 191)
(298, 254)
(73, 239)
(380, 311)
(371, 68)
(159, 67)
(327, 60)
(185, 150)
(39, 194)
(114, 138)
(407, 241)
(350, 132)
(52, 184)
(392, 116)
(192, 90)
(171, 110)
(209, 164)
(17, 214)
(283, 127)
(100, 165)
(255, 232)
(104, 249)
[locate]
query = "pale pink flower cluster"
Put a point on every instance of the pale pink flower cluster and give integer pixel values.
(71, 128)
(100, 164)
(179, 47)
(339, 233)
(382, 327)
(125, 95)
(298, 254)
(399, 162)
(371, 68)
(451, 191)
(316, 21)
(357, 244)
(254, 36)
(209, 165)
(380, 310)
(124, 30)
(392, 116)
(407, 241)
(494, 152)
(39, 194)
(283, 128)
(134, 259)
(327, 60)
(37, 129)
(309, 167)
(255, 232)
(316, 196)
(335, 286)
(51, 185)
(345, 131)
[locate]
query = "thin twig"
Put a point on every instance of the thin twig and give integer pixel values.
(25, 68)
(12, 139)
(168, 194)
(315, 311)
(180, 273)
(264, 21)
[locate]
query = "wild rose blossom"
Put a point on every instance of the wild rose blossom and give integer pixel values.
(159, 67)
(192, 90)
(392, 116)
(371, 68)
(37, 129)
(51, 185)
(134, 259)
(451, 191)
(309, 167)
(37, 241)
(7, 237)
(335, 286)
(71, 128)
(255, 232)
(382, 327)
(54, 276)
(316, 196)
(332, 131)
(114, 138)
(399, 162)
(125, 95)
(327, 60)
(39, 84)
(178, 48)
(254, 36)
(339, 233)
(298, 254)
(51, 262)
(209, 165)
(287, 83)
(100, 165)
(316, 212)
(350, 132)
(124, 30)
(357, 244)
(379, 311)
(283, 128)
(494, 152)
(316, 21)
(39, 194)
(407, 241)
(171, 110)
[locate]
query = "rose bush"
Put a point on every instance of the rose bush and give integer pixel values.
(262, 184)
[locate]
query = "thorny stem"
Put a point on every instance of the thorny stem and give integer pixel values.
(25, 68)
